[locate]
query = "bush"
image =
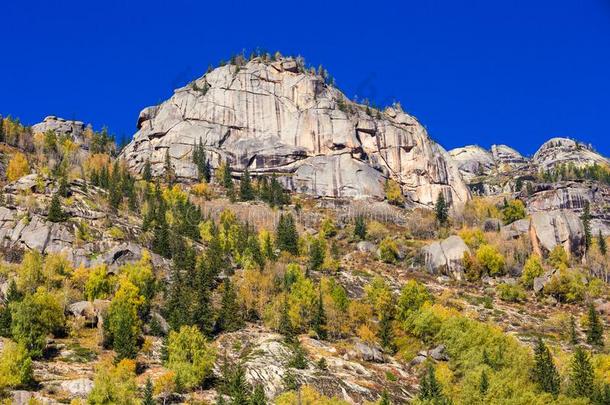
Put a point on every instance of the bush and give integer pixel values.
(412, 296)
(513, 211)
(15, 366)
(532, 269)
(491, 260)
(473, 237)
(511, 293)
(388, 251)
(558, 258)
(115, 384)
(17, 167)
(377, 231)
(189, 356)
(566, 286)
(327, 228)
(393, 192)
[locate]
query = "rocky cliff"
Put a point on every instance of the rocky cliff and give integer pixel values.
(276, 117)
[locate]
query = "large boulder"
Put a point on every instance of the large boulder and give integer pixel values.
(446, 257)
(81, 387)
(558, 227)
(276, 117)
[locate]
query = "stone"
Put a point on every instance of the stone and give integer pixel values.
(366, 247)
(81, 387)
(272, 117)
(368, 352)
(557, 227)
(505, 155)
(492, 225)
(557, 151)
(83, 309)
(473, 161)
(438, 353)
(540, 282)
(446, 256)
(515, 229)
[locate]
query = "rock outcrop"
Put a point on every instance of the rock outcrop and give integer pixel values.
(473, 161)
(446, 257)
(558, 227)
(505, 155)
(60, 126)
(275, 117)
(558, 151)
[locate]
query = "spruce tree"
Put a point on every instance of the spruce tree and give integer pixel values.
(168, 168)
(246, 192)
(56, 214)
(360, 227)
(319, 318)
(601, 242)
(586, 223)
(544, 372)
(573, 332)
(285, 325)
(483, 383)
(441, 210)
(581, 375)
(430, 388)
(385, 398)
(287, 237)
(386, 333)
(203, 312)
(147, 171)
(316, 254)
(229, 316)
(595, 331)
(148, 393)
(227, 179)
(6, 317)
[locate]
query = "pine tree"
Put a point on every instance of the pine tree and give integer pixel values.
(258, 396)
(573, 332)
(430, 388)
(285, 325)
(386, 332)
(441, 210)
(234, 383)
(316, 254)
(148, 393)
(147, 171)
(319, 318)
(581, 375)
(6, 317)
(298, 360)
(595, 331)
(586, 223)
(63, 189)
(483, 383)
(360, 227)
(227, 179)
(229, 317)
(287, 237)
(203, 312)
(56, 214)
(385, 398)
(246, 193)
(168, 168)
(544, 372)
(601, 242)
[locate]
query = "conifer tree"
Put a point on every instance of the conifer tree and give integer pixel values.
(581, 375)
(319, 318)
(203, 312)
(595, 331)
(360, 227)
(148, 393)
(386, 333)
(601, 242)
(316, 254)
(430, 388)
(229, 317)
(56, 214)
(227, 179)
(12, 295)
(287, 238)
(168, 168)
(246, 193)
(147, 171)
(544, 372)
(285, 325)
(483, 383)
(258, 396)
(573, 332)
(385, 398)
(2, 137)
(586, 223)
(441, 210)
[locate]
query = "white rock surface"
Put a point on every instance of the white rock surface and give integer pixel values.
(558, 227)
(557, 151)
(445, 257)
(473, 161)
(272, 117)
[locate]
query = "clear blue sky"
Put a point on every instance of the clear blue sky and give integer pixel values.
(515, 72)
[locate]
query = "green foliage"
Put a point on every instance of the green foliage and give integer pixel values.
(15, 367)
(234, 384)
(586, 223)
(513, 211)
(412, 296)
(327, 228)
(441, 209)
(114, 384)
(388, 250)
(360, 227)
(272, 191)
(189, 356)
(573, 335)
(319, 318)
(55, 213)
(430, 389)
(123, 324)
(246, 192)
(230, 317)
(491, 260)
(532, 269)
(601, 244)
(581, 375)
(33, 318)
(286, 235)
(317, 253)
(147, 171)
(544, 372)
(6, 317)
(168, 169)
(99, 284)
(558, 258)
(595, 330)
(148, 393)
(511, 293)
(566, 285)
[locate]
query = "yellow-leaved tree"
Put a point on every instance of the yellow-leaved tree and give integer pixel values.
(17, 167)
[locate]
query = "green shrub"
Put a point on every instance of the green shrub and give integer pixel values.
(388, 251)
(510, 293)
(491, 260)
(513, 211)
(532, 269)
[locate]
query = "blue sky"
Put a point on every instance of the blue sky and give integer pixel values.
(484, 72)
